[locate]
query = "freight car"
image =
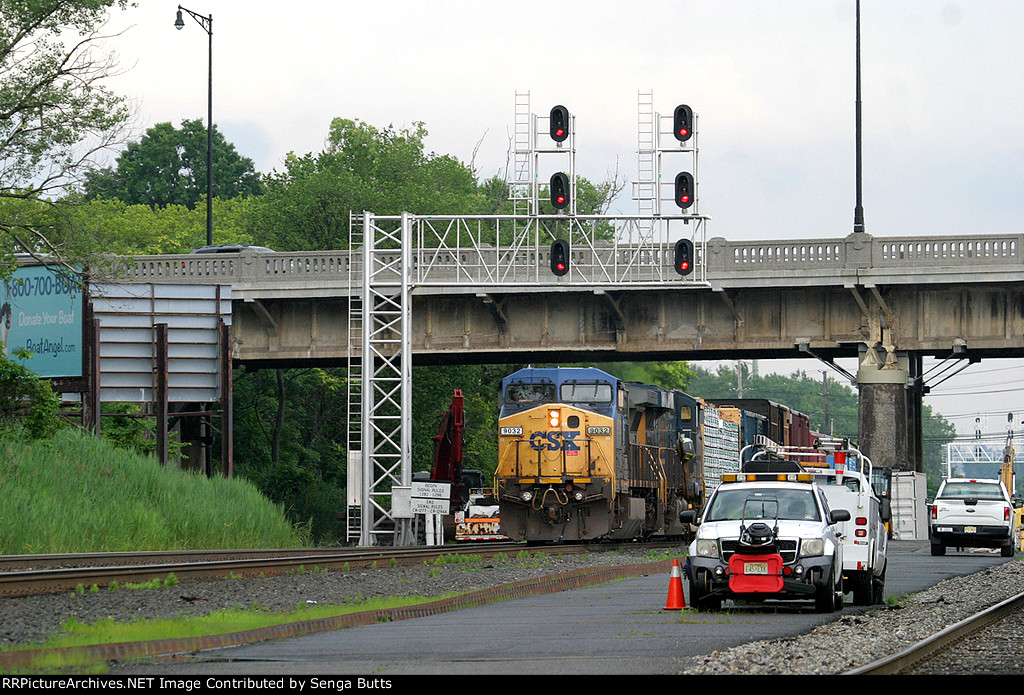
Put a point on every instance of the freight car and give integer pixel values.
(779, 423)
(585, 456)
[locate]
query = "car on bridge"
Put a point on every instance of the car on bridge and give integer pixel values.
(231, 248)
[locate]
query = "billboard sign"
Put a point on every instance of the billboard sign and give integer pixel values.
(41, 311)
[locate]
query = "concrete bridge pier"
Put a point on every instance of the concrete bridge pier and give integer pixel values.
(889, 413)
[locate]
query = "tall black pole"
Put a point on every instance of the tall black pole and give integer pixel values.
(207, 24)
(209, 141)
(858, 212)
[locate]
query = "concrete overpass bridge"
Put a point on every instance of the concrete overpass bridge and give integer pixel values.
(433, 290)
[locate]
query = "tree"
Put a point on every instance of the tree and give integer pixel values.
(55, 116)
(167, 166)
(112, 226)
(26, 399)
(386, 171)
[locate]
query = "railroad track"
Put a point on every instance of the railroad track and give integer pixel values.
(24, 575)
(987, 643)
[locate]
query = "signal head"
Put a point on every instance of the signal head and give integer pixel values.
(682, 123)
(686, 192)
(559, 191)
(559, 123)
(560, 257)
(683, 257)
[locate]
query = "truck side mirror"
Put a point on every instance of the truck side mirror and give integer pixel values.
(837, 515)
(885, 510)
(688, 516)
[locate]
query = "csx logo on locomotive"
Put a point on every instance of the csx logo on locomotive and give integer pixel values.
(541, 440)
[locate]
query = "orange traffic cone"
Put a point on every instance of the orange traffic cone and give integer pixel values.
(675, 601)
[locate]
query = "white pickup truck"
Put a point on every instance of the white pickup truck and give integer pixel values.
(972, 513)
(844, 475)
(865, 538)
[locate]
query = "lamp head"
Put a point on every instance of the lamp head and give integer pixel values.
(179, 23)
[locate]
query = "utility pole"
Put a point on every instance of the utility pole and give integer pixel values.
(824, 393)
(858, 212)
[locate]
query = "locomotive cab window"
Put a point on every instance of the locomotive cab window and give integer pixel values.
(519, 393)
(586, 393)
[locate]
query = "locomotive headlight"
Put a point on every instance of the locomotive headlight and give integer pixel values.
(707, 548)
(578, 495)
(526, 495)
(554, 417)
(810, 547)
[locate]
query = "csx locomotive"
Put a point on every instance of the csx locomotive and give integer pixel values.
(584, 456)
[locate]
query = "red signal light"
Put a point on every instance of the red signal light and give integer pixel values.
(684, 190)
(559, 123)
(683, 256)
(560, 191)
(559, 258)
(682, 120)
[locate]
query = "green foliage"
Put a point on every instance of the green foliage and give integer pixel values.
(799, 391)
(432, 391)
(56, 114)
(361, 168)
(290, 433)
(669, 375)
(136, 434)
(26, 401)
(112, 226)
(167, 166)
(76, 493)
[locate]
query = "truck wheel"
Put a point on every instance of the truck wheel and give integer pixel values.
(862, 590)
(839, 594)
(878, 589)
(702, 603)
(938, 548)
(825, 598)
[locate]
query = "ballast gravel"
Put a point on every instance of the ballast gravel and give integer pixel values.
(854, 639)
(863, 638)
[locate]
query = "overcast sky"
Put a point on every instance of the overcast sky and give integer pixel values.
(773, 84)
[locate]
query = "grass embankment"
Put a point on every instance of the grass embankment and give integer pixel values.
(75, 493)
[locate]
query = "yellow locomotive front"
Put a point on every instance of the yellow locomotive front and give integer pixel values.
(556, 449)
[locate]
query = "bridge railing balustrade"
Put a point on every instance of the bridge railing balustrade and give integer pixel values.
(520, 256)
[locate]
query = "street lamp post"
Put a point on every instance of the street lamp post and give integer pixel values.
(207, 24)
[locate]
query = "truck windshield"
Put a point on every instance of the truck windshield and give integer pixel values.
(984, 491)
(831, 480)
(733, 505)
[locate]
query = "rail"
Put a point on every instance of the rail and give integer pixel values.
(905, 660)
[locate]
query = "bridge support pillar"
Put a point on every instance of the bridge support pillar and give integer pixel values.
(884, 412)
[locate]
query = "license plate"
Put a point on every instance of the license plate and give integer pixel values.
(755, 568)
(970, 529)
